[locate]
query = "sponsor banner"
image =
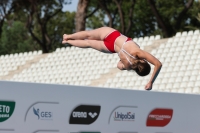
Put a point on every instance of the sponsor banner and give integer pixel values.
(41, 111)
(6, 110)
(123, 114)
(85, 114)
(75, 109)
(159, 117)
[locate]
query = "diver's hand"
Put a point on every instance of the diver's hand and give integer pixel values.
(148, 86)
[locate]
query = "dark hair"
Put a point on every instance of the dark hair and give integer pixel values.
(143, 68)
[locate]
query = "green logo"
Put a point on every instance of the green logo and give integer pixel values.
(6, 110)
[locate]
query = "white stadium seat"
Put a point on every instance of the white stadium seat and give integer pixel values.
(190, 33)
(157, 37)
(196, 32)
(181, 90)
(146, 38)
(184, 33)
(188, 90)
(151, 38)
(196, 90)
(178, 34)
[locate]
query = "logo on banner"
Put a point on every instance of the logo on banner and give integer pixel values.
(43, 115)
(159, 117)
(41, 111)
(123, 113)
(85, 114)
(6, 110)
(124, 116)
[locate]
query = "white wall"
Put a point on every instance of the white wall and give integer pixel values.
(171, 113)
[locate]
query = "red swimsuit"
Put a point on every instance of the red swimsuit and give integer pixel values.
(109, 40)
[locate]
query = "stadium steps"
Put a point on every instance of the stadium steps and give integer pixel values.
(104, 77)
(23, 67)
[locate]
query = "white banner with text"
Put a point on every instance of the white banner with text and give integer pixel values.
(49, 108)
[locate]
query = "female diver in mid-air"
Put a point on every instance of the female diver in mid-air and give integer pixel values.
(109, 40)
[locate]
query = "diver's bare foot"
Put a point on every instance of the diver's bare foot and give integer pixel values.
(65, 37)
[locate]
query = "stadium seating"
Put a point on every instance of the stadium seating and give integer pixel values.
(180, 56)
(11, 62)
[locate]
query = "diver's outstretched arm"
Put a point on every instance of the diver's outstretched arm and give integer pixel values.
(157, 66)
